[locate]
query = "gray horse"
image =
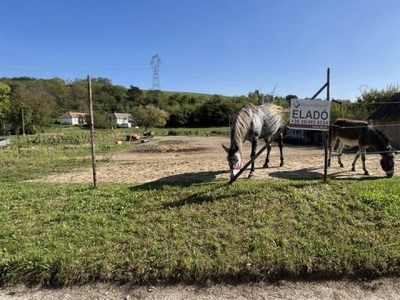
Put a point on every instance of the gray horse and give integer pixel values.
(360, 133)
(251, 124)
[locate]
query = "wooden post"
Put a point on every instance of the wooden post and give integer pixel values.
(92, 143)
(23, 121)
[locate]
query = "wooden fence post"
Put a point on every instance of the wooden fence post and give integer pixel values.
(92, 143)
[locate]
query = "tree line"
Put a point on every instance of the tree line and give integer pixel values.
(35, 103)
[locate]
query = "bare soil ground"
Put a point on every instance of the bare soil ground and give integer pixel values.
(201, 159)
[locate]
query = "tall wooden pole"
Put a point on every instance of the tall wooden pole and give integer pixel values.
(23, 121)
(92, 144)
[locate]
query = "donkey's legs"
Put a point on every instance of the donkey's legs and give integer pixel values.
(353, 165)
(362, 153)
(331, 146)
(340, 151)
(363, 161)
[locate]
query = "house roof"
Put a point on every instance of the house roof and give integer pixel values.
(389, 110)
(72, 114)
(122, 115)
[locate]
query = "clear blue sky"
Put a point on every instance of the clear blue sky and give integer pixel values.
(226, 47)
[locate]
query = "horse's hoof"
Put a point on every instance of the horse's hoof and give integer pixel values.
(265, 166)
(366, 173)
(353, 169)
(341, 165)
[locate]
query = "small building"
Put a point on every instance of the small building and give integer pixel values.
(73, 118)
(386, 118)
(121, 119)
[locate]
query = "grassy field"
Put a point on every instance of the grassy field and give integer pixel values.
(61, 234)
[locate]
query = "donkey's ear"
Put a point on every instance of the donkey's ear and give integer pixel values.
(225, 148)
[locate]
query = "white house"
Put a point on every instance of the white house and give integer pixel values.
(73, 118)
(121, 119)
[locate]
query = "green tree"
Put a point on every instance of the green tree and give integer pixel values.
(218, 111)
(180, 115)
(4, 99)
(20, 119)
(32, 106)
(101, 120)
(150, 116)
(77, 97)
(5, 104)
(106, 96)
(370, 100)
(133, 96)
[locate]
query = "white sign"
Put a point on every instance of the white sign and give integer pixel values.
(310, 114)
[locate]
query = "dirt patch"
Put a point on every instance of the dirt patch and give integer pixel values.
(200, 159)
(163, 146)
(377, 289)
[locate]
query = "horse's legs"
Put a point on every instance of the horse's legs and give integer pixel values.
(280, 145)
(253, 153)
(267, 157)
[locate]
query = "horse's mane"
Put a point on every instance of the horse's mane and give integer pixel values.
(240, 125)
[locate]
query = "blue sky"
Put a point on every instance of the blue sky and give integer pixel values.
(226, 47)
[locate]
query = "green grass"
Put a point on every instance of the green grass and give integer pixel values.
(62, 234)
(57, 234)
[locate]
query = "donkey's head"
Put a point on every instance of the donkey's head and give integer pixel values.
(388, 152)
(387, 163)
(234, 159)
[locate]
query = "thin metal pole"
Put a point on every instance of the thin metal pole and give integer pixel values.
(326, 135)
(92, 143)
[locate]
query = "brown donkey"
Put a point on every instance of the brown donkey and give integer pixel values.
(360, 133)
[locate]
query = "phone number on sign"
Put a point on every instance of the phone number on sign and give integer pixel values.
(310, 122)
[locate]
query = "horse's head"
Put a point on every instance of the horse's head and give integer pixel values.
(387, 163)
(234, 159)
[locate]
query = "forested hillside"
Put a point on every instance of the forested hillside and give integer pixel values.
(34, 103)
(40, 102)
